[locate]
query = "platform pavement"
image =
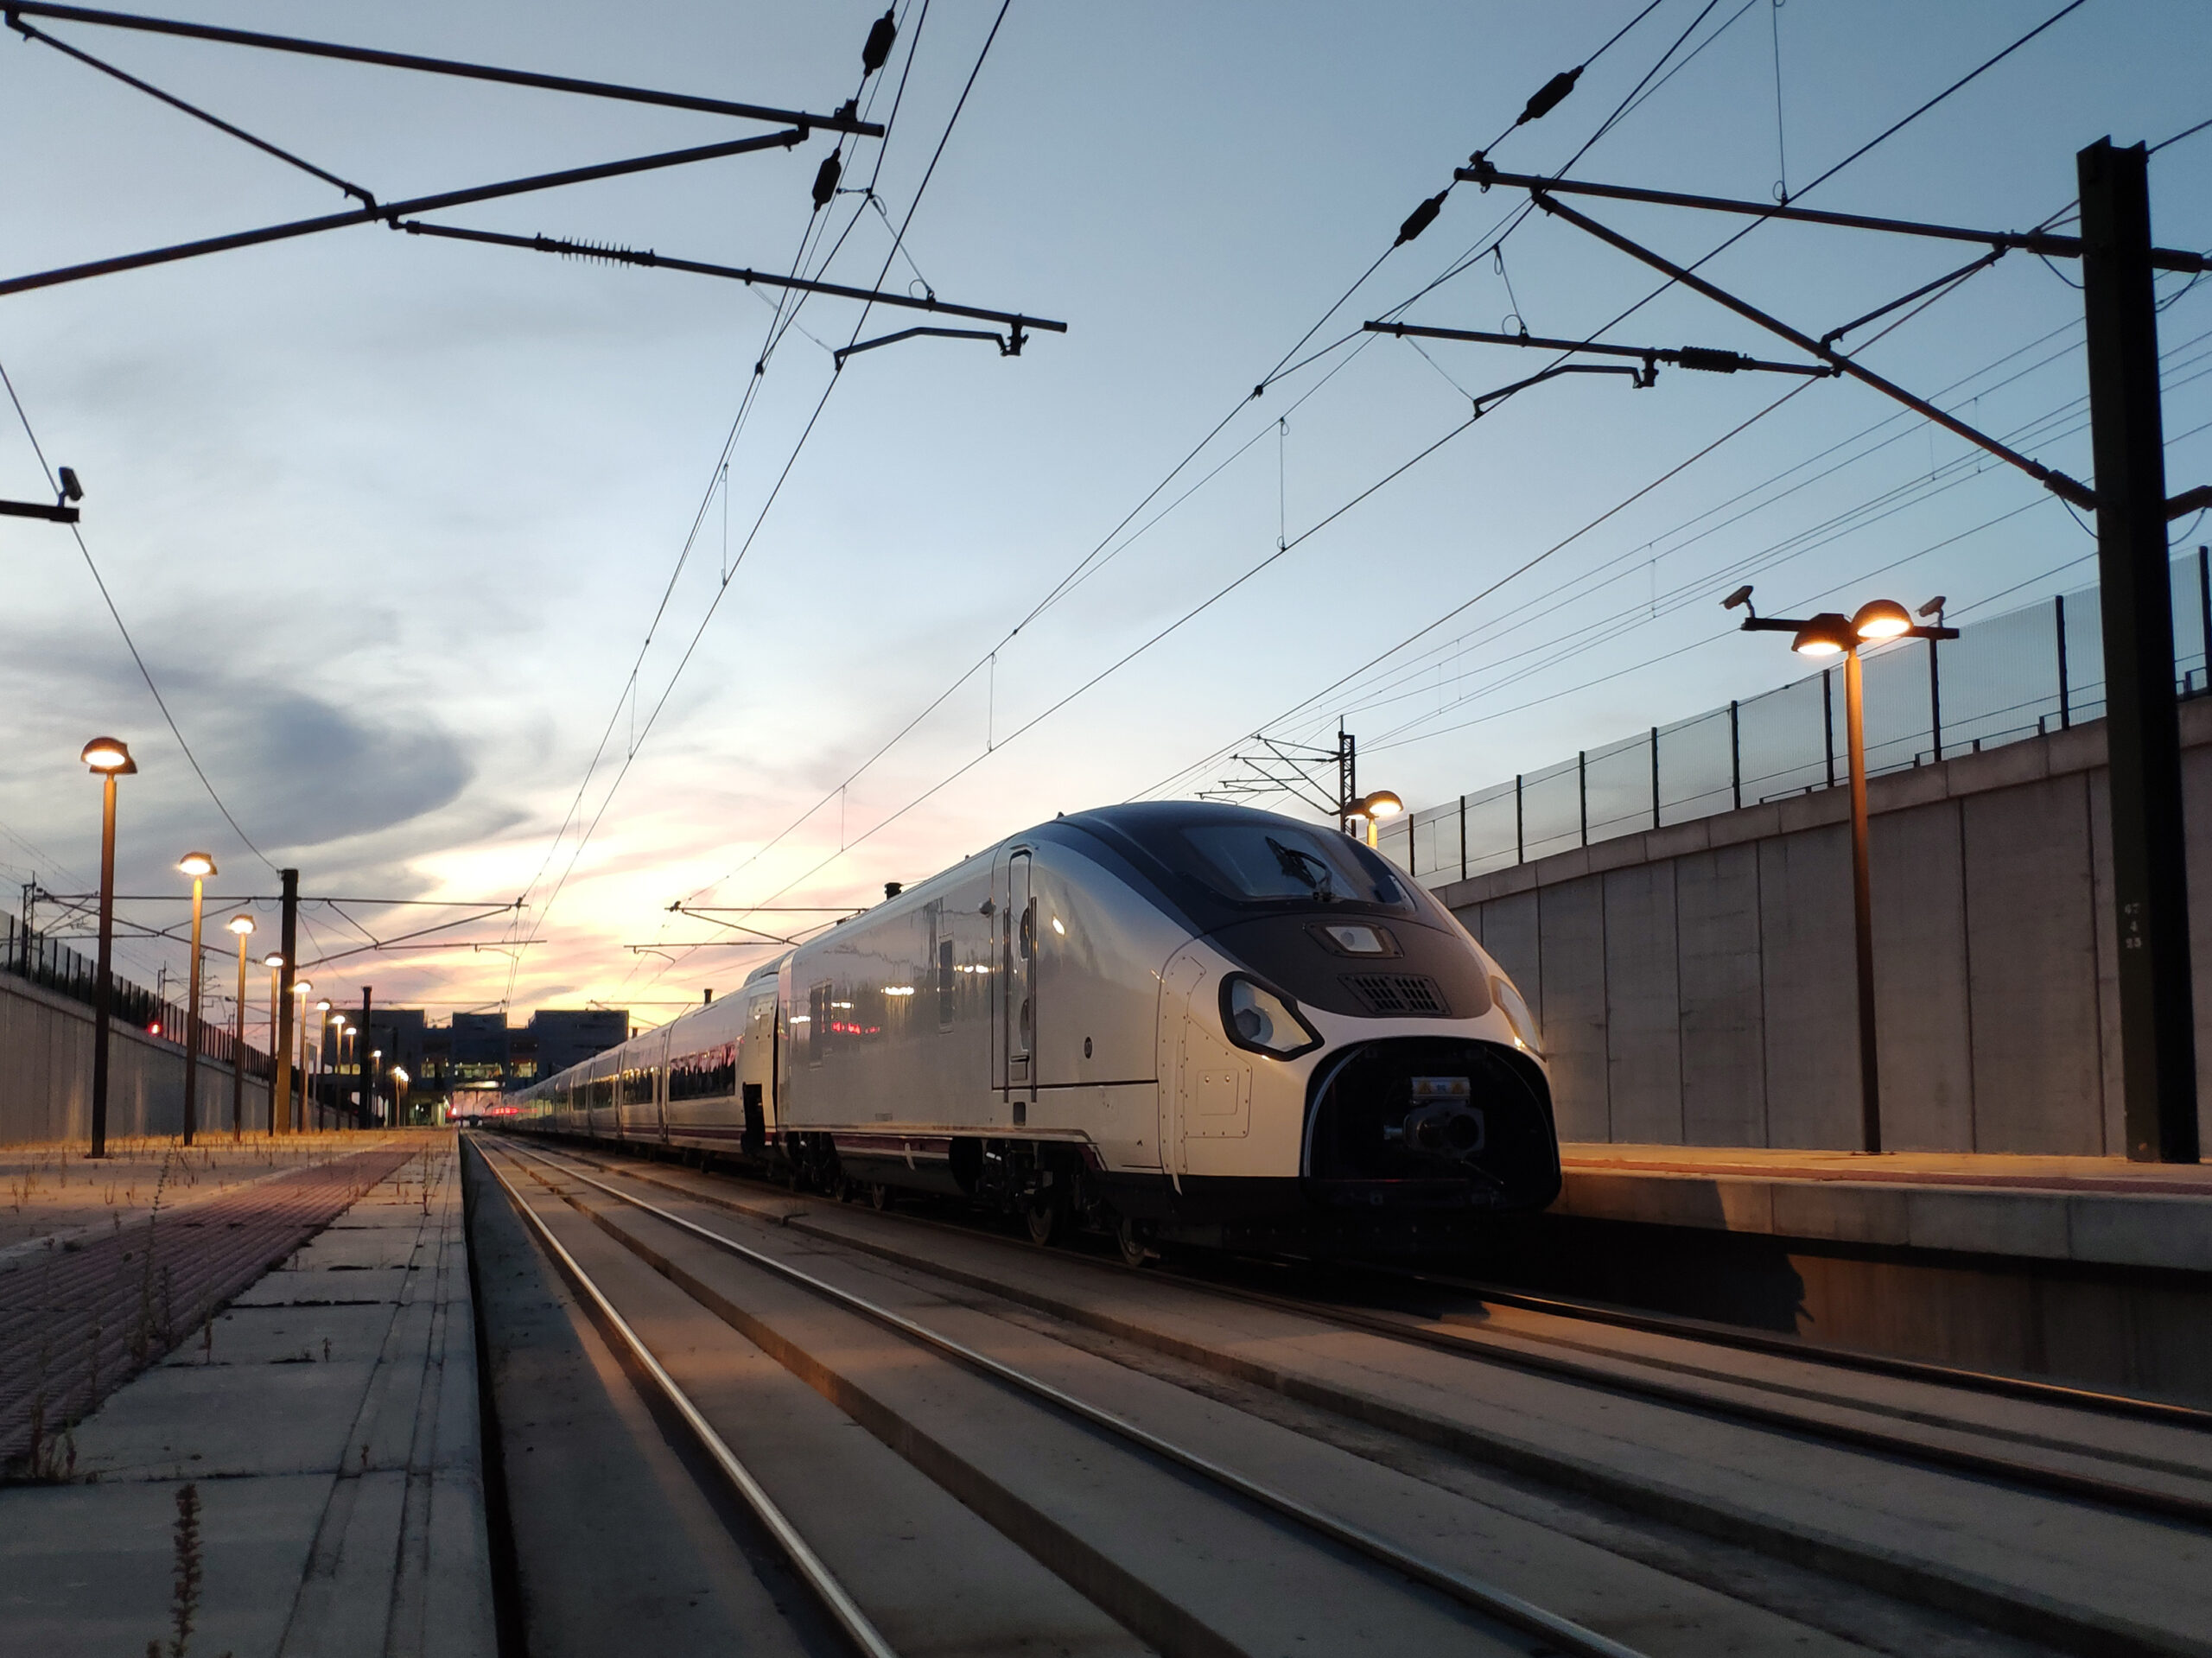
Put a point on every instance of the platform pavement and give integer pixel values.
(327, 1422)
(2090, 1210)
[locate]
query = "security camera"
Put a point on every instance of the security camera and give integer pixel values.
(1934, 607)
(71, 488)
(1741, 596)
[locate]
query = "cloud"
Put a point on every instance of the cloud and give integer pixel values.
(299, 767)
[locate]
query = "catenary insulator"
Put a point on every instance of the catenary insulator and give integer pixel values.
(825, 179)
(1420, 218)
(877, 51)
(1549, 94)
(1709, 360)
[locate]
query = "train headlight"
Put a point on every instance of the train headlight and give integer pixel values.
(1515, 1009)
(1258, 1019)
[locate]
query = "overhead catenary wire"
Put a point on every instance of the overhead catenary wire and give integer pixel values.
(1085, 564)
(1863, 150)
(783, 476)
(1313, 701)
(129, 643)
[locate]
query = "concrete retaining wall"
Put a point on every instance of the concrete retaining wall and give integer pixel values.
(1695, 983)
(45, 1075)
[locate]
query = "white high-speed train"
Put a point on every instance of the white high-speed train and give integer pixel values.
(1171, 1021)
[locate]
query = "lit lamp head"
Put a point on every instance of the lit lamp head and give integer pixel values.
(272, 960)
(1828, 634)
(324, 1008)
(398, 1075)
(1379, 805)
(109, 755)
(302, 988)
(242, 925)
(198, 864)
(1881, 618)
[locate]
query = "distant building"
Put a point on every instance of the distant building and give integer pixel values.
(473, 1050)
(569, 1036)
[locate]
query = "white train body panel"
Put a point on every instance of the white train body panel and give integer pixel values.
(1224, 1023)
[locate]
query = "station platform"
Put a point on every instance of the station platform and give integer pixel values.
(298, 1472)
(2091, 1272)
(2094, 1210)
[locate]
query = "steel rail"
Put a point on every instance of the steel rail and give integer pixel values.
(2054, 1393)
(840, 1605)
(839, 123)
(1475, 1346)
(1481, 1597)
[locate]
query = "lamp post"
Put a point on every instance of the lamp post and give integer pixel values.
(321, 1041)
(110, 760)
(302, 988)
(274, 963)
(1372, 810)
(399, 1081)
(242, 925)
(199, 866)
(368, 1094)
(1828, 634)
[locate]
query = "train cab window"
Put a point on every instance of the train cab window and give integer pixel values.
(1273, 862)
(947, 1000)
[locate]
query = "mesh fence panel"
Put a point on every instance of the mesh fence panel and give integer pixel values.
(2007, 678)
(1782, 741)
(1617, 780)
(1551, 807)
(1696, 763)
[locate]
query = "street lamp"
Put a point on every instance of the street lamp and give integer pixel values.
(1831, 633)
(320, 1049)
(368, 1090)
(399, 1080)
(110, 760)
(199, 866)
(1372, 809)
(274, 963)
(302, 989)
(242, 925)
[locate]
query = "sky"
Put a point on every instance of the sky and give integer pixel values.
(449, 570)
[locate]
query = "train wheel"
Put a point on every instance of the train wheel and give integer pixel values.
(1133, 1250)
(878, 1195)
(1044, 1217)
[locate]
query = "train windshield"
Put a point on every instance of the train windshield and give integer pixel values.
(1265, 862)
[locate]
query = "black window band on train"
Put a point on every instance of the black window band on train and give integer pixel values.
(1210, 865)
(709, 1074)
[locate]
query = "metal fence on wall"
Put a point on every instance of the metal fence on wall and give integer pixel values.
(29, 953)
(2018, 675)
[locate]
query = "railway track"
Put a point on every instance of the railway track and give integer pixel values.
(1502, 1618)
(1932, 1453)
(1923, 1422)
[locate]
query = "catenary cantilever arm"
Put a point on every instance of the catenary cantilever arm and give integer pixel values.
(2067, 489)
(734, 273)
(838, 123)
(391, 211)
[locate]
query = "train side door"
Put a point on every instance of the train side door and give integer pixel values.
(1018, 972)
